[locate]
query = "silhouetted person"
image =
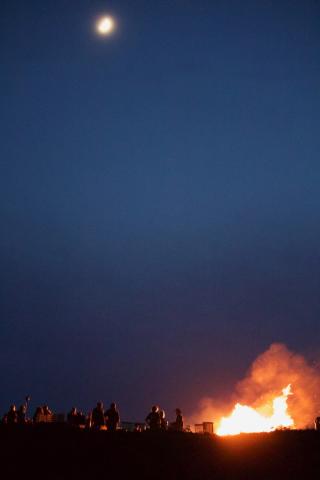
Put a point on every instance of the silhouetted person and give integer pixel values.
(317, 424)
(27, 401)
(163, 421)
(72, 417)
(81, 418)
(12, 415)
(97, 417)
(88, 420)
(22, 415)
(177, 426)
(46, 411)
(38, 414)
(153, 419)
(112, 418)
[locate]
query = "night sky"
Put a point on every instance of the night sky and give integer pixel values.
(160, 205)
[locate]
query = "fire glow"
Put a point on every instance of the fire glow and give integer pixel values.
(244, 419)
(280, 390)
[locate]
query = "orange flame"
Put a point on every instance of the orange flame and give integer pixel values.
(258, 407)
(244, 419)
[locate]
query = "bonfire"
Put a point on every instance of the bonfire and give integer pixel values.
(245, 419)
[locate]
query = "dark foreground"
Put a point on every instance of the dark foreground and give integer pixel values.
(56, 452)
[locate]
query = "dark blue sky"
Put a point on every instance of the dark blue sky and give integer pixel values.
(160, 207)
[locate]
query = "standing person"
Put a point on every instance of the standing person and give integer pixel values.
(12, 415)
(97, 417)
(112, 417)
(88, 420)
(47, 414)
(72, 417)
(22, 414)
(46, 410)
(38, 415)
(317, 424)
(153, 419)
(27, 401)
(179, 421)
(81, 418)
(163, 421)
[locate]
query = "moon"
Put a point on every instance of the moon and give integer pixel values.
(105, 26)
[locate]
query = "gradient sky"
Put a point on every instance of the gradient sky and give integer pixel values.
(160, 206)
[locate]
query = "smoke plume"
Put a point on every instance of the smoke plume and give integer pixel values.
(272, 371)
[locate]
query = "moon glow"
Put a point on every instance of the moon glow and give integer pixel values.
(105, 25)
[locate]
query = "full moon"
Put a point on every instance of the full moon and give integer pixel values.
(105, 25)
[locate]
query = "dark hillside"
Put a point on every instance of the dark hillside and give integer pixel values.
(56, 452)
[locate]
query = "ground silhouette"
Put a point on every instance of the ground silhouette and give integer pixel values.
(58, 452)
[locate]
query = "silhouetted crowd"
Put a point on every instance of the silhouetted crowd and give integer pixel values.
(156, 420)
(100, 419)
(97, 419)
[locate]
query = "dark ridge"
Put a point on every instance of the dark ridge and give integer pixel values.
(58, 452)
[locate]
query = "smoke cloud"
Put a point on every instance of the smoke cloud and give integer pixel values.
(272, 371)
